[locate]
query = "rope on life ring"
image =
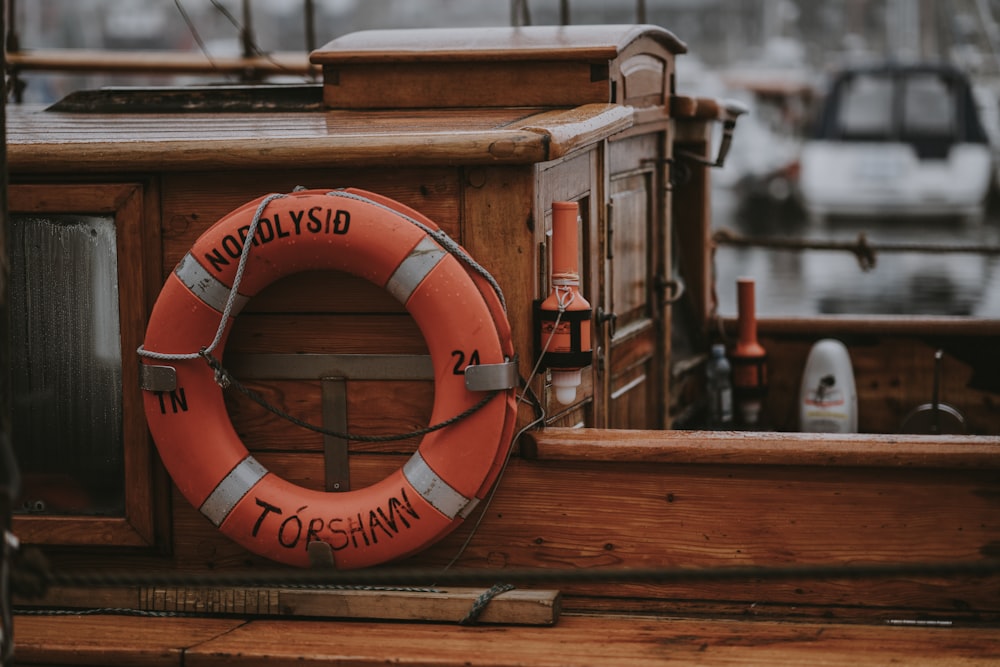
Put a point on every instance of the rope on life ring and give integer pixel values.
(456, 305)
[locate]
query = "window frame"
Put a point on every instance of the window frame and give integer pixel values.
(139, 265)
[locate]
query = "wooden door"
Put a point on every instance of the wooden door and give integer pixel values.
(629, 321)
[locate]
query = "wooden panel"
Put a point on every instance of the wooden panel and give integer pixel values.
(633, 397)
(569, 179)
(575, 416)
(631, 400)
(653, 511)
(194, 201)
(323, 292)
(631, 247)
(573, 514)
(483, 67)
(408, 85)
(499, 230)
(562, 514)
(893, 375)
(644, 78)
(373, 408)
(333, 334)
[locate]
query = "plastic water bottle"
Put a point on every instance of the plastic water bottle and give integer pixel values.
(719, 384)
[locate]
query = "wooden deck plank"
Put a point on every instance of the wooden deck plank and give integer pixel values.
(575, 640)
(605, 641)
(111, 639)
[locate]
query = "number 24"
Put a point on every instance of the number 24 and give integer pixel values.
(460, 365)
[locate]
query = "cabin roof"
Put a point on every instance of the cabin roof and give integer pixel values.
(41, 140)
(544, 66)
(575, 42)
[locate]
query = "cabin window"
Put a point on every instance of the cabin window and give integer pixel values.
(928, 106)
(910, 108)
(66, 375)
(81, 269)
(866, 107)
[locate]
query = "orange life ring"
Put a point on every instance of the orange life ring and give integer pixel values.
(456, 310)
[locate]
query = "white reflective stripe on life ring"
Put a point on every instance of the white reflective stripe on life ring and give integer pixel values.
(231, 490)
(206, 287)
(412, 270)
(435, 490)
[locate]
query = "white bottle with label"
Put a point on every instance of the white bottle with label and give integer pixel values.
(828, 398)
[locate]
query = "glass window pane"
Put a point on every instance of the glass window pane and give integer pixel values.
(866, 107)
(928, 106)
(66, 355)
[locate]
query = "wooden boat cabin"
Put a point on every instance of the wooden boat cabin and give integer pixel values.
(503, 234)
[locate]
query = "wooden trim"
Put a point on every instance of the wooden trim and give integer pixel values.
(85, 198)
(569, 130)
(134, 233)
(763, 448)
(512, 146)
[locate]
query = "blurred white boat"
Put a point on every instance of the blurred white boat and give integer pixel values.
(897, 139)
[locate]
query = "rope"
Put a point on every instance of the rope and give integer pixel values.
(230, 299)
(479, 606)
(864, 250)
(117, 611)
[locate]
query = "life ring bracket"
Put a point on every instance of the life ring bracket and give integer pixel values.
(154, 377)
(492, 377)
